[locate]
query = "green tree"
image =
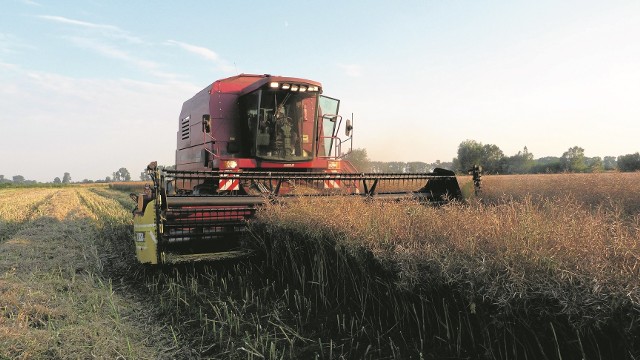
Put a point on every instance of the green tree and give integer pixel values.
(470, 152)
(144, 176)
(418, 167)
(520, 163)
(442, 165)
(18, 179)
(573, 160)
(492, 159)
(547, 165)
(629, 162)
(379, 167)
(66, 178)
(122, 175)
(610, 163)
(57, 180)
(359, 159)
(125, 174)
(397, 167)
(595, 164)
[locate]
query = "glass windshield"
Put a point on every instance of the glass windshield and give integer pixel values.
(285, 124)
(327, 113)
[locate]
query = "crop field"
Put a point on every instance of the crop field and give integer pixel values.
(535, 267)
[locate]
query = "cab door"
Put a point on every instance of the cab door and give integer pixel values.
(327, 121)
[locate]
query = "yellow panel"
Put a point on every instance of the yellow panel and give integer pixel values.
(145, 237)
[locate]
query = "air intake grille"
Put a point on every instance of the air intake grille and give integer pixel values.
(184, 127)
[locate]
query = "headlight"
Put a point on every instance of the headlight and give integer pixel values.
(230, 164)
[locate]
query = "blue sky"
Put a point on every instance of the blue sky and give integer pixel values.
(87, 87)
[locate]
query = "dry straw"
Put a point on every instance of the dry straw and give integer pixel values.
(55, 301)
(559, 247)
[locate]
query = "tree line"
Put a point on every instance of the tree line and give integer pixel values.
(121, 174)
(494, 161)
(360, 160)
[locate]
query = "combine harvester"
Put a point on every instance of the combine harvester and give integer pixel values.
(247, 140)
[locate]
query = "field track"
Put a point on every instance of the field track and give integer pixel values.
(55, 300)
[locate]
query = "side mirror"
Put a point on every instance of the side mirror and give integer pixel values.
(348, 128)
(206, 123)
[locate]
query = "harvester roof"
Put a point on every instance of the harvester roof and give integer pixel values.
(246, 83)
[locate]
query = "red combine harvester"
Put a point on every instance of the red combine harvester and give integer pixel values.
(246, 140)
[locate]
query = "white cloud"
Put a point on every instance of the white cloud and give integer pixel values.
(198, 50)
(31, 3)
(8, 66)
(101, 38)
(112, 52)
(65, 20)
(204, 53)
(151, 67)
(89, 127)
(106, 30)
(10, 44)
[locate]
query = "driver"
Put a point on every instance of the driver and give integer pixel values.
(287, 138)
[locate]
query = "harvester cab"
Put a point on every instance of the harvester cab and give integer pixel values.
(249, 139)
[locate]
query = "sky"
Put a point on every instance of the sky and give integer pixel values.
(88, 87)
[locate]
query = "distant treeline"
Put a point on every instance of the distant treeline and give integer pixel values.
(121, 175)
(573, 160)
(406, 167)
(494, 161)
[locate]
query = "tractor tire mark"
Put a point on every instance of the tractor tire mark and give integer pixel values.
(86, 204)
(9, 229)
(125, 203)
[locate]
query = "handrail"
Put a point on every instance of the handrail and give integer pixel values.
(336, 148)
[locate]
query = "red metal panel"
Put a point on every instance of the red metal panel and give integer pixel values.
(235, 84)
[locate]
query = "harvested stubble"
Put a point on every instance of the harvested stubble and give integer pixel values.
(18, 205)
(54, 300)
